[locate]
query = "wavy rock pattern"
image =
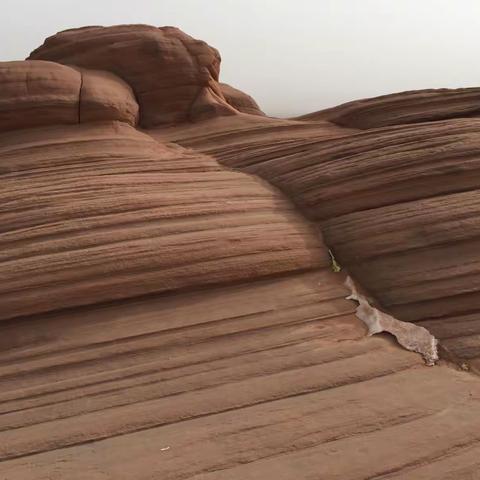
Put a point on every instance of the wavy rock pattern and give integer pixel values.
(39, 93)
(395, 204)
(402, 108)
(238, 382)
(103, 212)
(166, 313)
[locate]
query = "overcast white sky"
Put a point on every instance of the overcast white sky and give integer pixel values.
(293, 56)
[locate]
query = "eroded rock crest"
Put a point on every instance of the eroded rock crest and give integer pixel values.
(174, 77)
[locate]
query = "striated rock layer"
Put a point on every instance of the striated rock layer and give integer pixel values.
(38, 93)
(101, 212)
(396, 205)
(402, 108)
(167, 305)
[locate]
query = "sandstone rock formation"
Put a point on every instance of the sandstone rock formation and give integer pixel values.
(402, 108)
(167, 306)
(395, 204)
(38, 93)
(240, 100)
(174, 77)
(122, 215)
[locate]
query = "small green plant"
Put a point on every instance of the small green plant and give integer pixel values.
(335, 265)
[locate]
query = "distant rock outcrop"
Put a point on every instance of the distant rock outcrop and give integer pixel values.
(240, 100)
(402, 108)
(174, 77)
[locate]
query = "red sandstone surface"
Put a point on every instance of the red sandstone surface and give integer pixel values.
(168, 308)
